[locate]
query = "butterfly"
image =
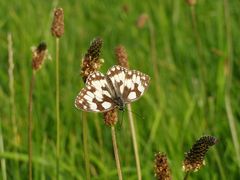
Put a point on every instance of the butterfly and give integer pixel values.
(117, 88)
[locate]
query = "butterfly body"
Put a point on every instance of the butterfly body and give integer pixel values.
(115, 89)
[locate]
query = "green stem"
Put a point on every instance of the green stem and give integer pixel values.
(134, 139)
(30, 126)
(186, 176)
(57, 110)
(115, 148)
(3, 161)
(229, 64)
(12, 99)
(85, 146)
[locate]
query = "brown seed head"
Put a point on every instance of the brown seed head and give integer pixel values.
(191, 2)
(57, 28)
(110, 117)
(142, 19)
(38, 56)
(194, 159)
(91, 61)
(161, 168)
(121, 56)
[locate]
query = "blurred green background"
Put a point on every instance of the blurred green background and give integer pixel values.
(190, 52)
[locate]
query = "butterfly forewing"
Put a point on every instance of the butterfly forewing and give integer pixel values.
(135, 85)
(130, 84)
(95, 96)
(117, 76)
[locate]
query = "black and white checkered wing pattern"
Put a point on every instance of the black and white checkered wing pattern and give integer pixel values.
(129, 84)
(96, 96)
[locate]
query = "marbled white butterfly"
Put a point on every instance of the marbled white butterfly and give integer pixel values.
(117, 88)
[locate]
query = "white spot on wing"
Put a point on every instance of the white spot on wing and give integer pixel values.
(93, 106)
(89, 93)
(98, 95)
(121, 88)
(129, 83)
(141, 88)
(88, 98)
(143, 77)
(116, 78)
(134, 77)
(132, 95)
(106, 105)
(107, 93)
(121, 76)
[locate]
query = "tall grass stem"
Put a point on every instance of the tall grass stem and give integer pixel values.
(57, 111)
(186, 176)
(3, 161)
(30, 126)
(134, 139)
(115, 148)
(11, 87)
(12, 97)
(229, 64)
(85, 146)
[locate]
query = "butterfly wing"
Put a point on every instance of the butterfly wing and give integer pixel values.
(117, 76)
(135, 85)
(95, 96)
(130, 84)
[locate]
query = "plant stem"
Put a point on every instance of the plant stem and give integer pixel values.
(3, 161)
(134, 139)
(228, 74)
(12, 98)
(11, 87)
(186, 176)
(57, 110)
(85, 146)
(30, 126)
(115, 148)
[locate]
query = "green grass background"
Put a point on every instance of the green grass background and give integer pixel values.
(195, 81)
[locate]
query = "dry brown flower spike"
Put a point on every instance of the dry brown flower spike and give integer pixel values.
(91, 61)
(191, 2)
(121, 56)
(161, 168)
(194, 159)
(38, 56)
(57, 28)
(110, 117)
(142, 20)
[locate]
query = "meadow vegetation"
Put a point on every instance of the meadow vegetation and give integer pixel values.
(191, 54)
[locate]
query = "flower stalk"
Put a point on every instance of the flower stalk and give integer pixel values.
(57, 30)
(122, 58)
(38, 57)
(91, 62)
